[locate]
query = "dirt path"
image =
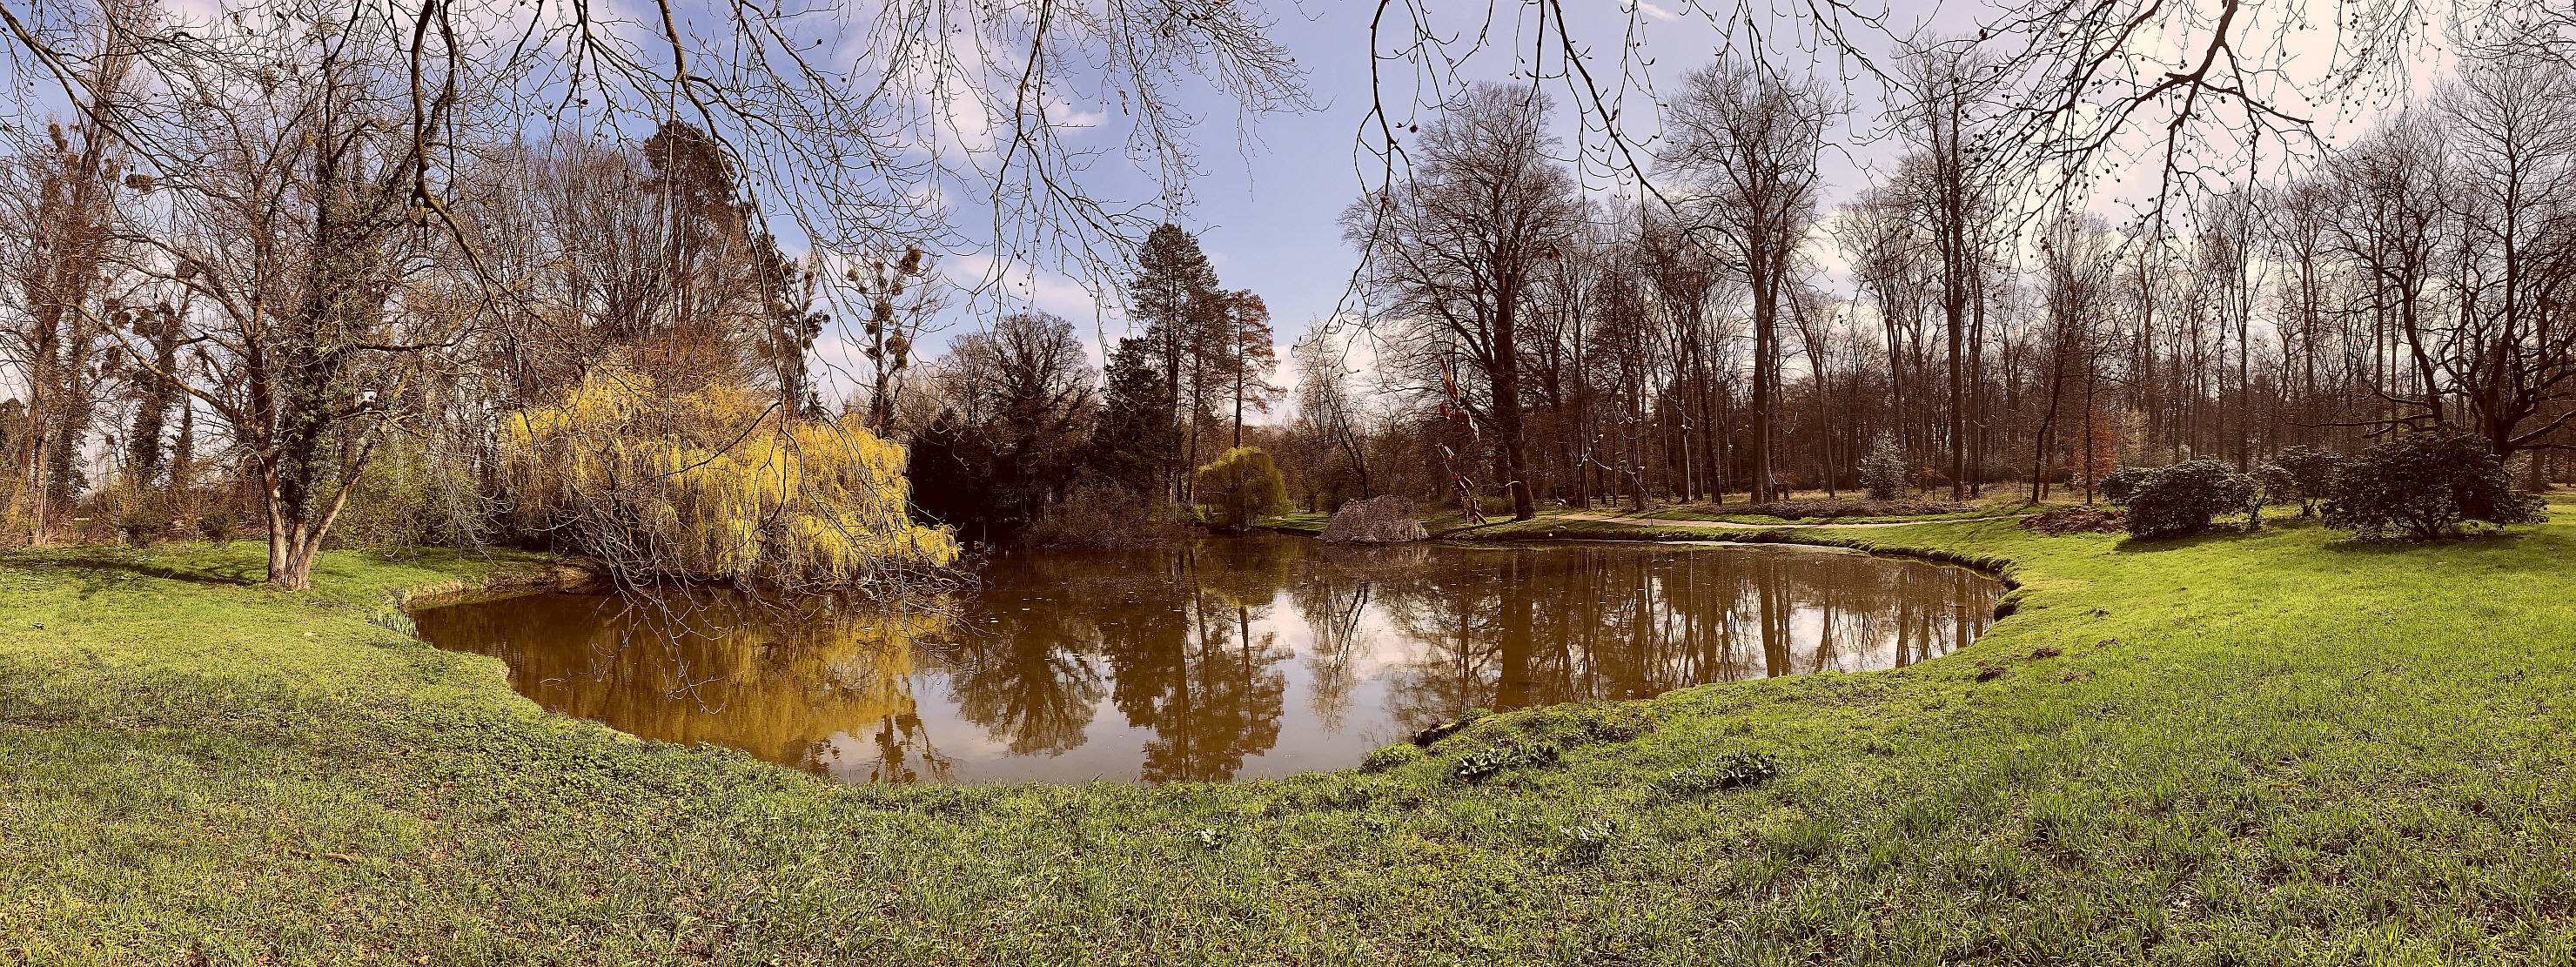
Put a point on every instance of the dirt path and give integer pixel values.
(1727, 525)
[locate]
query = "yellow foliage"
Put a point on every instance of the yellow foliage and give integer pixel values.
(1242, 485)
(708, 484)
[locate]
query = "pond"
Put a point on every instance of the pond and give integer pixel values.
(1225, 658)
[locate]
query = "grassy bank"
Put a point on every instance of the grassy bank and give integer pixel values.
(2272, 747)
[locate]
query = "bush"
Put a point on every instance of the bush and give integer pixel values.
(1242, 485)
(713, 484)
(2119, 484)
(2303, 475)
(218, 526)
(1106, 515)
(2426, 484)
(141, 526)
(1828, 509)
(1882, 472)
(2077, 520)
(2273, 484)
(407, 497)
(2180, 499)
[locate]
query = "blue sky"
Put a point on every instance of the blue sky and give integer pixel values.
(1267, 200)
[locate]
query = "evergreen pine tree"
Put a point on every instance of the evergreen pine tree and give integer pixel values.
(1176, 296)
(1133, 445)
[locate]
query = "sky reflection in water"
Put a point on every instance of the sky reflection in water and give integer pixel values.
(1227, 658)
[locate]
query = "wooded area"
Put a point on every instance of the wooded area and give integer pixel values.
(2414, 279)
(352, 274)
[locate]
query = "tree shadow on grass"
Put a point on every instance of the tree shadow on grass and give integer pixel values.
(99, 565)
(2217, 534)
(2537, 550)
(242, 564)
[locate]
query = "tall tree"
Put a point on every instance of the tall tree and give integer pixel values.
(1947, 90)
(1174, 293)
(1133, 444)
(64, 242)
(1746, 140)
(297, 219)
(1252, 354)
(1021, 393)
(1453, 251)
(1326, 403)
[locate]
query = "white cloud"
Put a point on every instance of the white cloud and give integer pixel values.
(1656, 12)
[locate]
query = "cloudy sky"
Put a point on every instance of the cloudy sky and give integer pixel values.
(1266, 203)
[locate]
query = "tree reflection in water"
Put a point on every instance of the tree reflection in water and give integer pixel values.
(1174, 664)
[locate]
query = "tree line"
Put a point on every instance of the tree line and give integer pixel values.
(1689, 343)
(343, 273)
(298, 274)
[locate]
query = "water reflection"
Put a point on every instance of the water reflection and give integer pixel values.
(1223, 659)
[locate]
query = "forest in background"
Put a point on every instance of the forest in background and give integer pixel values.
(323, 277)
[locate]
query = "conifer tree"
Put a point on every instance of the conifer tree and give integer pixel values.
(1133, 444)
(1175, 294)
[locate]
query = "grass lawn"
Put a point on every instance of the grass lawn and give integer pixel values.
(1552, 521)
(2250, 748)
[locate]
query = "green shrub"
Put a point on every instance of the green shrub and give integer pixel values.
(2181, 499)
(2425, 484)
(141, 525)
(2273, 484)
(1882, 471)
(218, 526)
(2118, 484)
(1242, 485)
(2304, 475)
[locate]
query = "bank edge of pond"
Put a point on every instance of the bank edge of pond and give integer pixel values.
(174, 792)
(1546, 529)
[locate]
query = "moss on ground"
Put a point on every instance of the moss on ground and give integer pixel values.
(2265, 747)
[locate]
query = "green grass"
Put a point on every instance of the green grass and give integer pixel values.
(1448, 522)
(2255, 748)
(1708, 512)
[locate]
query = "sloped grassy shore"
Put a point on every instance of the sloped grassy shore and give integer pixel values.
(2272, 747)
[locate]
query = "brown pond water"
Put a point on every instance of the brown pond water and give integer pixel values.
(1227, 658)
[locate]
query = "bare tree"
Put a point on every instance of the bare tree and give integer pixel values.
(1745, 140)
(2508, 351)
(295, 221)
(1947, 93)
(1454, 250)
(1327, 404)
(66, 237)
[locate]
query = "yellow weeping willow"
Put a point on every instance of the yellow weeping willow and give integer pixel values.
(709, 485)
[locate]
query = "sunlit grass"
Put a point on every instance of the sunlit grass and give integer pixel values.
(2265, 747)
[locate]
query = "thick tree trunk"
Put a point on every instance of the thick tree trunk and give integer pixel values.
(1956, 309)
(1505, 370)
(1766, 308)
